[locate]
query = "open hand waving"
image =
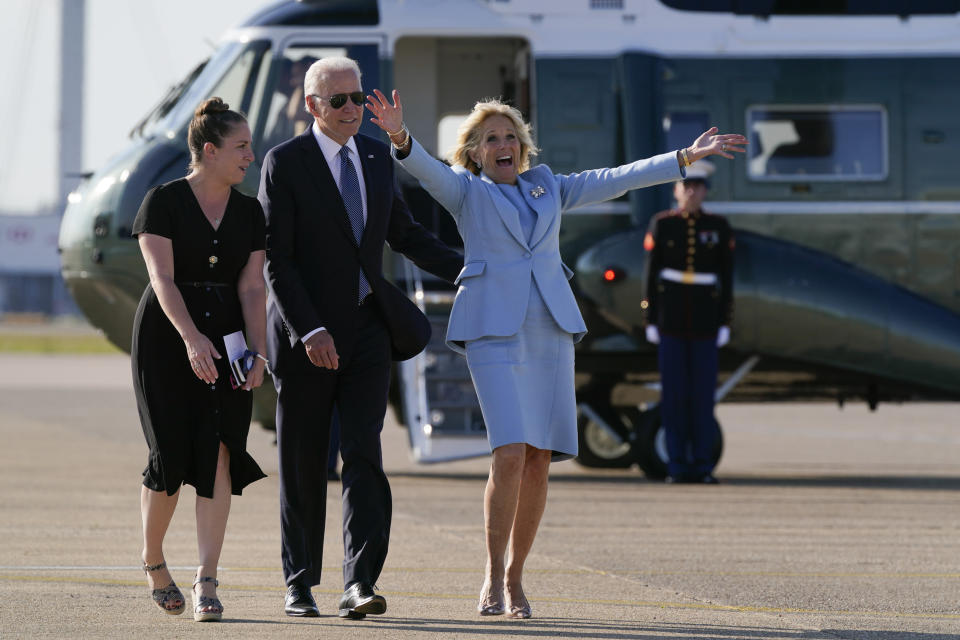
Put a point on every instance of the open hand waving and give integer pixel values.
(710, 142)
(389, 117)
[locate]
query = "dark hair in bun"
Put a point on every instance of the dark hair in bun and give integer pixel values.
(212, 122)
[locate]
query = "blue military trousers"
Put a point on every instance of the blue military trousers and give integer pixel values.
(688, 377)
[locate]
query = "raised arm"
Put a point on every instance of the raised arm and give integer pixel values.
(598, 185)
(447, 186)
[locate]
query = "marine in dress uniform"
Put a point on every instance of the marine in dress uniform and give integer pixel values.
(688, 304)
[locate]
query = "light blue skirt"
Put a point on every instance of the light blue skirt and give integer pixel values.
(525, 383)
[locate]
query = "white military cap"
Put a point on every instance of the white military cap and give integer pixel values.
(700, 170)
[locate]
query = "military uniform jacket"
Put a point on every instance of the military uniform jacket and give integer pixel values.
(689, 246)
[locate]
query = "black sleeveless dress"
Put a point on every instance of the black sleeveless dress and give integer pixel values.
(184, 419)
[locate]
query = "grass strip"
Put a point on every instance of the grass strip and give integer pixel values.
(54, 343)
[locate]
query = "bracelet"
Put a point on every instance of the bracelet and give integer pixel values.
(402, 127)
(263, 358)
(686, 159)
(406, 138)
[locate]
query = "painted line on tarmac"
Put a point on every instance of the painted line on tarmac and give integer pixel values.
(727, 574)
(785, 574)
(552, 600)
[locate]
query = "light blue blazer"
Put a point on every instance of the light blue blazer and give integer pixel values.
(499, 264)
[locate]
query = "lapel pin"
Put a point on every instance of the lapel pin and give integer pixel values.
(537, 192)
(369, 155)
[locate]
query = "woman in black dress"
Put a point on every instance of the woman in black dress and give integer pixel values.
(203, 243)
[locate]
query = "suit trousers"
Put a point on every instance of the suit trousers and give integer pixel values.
(358, 389)
(688, 377)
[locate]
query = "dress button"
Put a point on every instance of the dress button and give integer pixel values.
(527, 255)
(213, 387)
(208, 289)
(215, 241)
(206, 314)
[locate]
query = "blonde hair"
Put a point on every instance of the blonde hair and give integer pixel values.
(469, 134)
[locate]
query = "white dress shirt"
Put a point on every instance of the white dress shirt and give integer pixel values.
(330, 149)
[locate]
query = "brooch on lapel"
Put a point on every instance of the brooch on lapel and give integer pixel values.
(538, 191)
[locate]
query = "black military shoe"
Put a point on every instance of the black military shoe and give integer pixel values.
(299, 602)
(359, 600)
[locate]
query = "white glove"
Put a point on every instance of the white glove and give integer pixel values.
(723, 336)
(653, 335)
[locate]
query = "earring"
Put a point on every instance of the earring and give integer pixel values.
(477, 162)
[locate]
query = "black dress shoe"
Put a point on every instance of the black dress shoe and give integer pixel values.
(709, 478)
(300, 602)
(359, 600)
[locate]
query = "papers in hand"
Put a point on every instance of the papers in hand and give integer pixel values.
(236, 346)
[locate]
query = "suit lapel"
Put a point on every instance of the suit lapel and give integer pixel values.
(507, 212)
(326, 186)
(542, 205)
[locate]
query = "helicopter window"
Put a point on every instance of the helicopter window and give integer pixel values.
(225, 75)
(236, 87)
(286, 114)
(167, 103)
(819, 143)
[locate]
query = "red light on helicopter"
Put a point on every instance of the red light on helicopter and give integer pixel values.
(613, 274)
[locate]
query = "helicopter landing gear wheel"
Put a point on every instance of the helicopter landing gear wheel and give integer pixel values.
(608, 445)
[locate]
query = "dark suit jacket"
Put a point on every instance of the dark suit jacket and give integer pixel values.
(313, 260)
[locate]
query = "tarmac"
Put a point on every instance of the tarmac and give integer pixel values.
(829, 523)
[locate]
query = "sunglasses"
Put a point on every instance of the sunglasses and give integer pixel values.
(337, 100)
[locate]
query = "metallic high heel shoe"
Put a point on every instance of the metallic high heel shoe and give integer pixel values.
(205, 608)
(168, 595)
(491, 602)
(519, 609)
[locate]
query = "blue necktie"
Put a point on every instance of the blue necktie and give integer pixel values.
(350, 191)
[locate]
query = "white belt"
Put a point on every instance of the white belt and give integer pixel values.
(688, 277)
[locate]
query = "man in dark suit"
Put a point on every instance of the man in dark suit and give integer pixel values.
(331, 200)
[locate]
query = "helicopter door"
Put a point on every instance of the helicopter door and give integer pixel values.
(439, 80)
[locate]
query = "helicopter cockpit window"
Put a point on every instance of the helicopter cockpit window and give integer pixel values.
(286, 113)
(817, 143)
(233, 73)
(241, 86)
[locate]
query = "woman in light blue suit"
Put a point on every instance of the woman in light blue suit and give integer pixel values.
(514, 316)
